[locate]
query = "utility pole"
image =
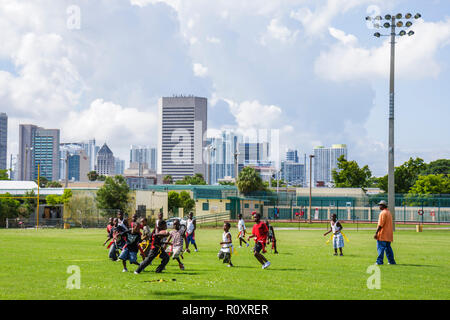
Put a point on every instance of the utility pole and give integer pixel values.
(310, 186)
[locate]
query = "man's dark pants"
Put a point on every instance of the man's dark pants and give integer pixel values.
(152, 255)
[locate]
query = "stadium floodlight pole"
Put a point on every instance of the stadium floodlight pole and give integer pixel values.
(310, 186)
(395, 21)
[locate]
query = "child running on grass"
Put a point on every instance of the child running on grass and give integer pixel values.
(178, 236)
(259, 232)
(271, 237)
(225, 251)
(156, 249)
(131, 248)
(241, 228)
(338, 239)
(146, 237)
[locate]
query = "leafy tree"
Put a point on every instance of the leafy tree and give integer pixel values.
(227, 183)
(53, 184)
(350, 175)
(431, 184)
(43, 181)
(187, 203)
(168, 179)
(249, 181)
(114, 194)
(4, 175)
(9, 208)
(92, 175)
(196, 179)
(441, 166)
(28, 205)
(405, 176)
(173, 201)
(101, 177)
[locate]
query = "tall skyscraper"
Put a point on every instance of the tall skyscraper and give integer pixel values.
(292, 156)
(181, 136)
(77, 160)
(220, 155)
(119, 166)
(91, 151)
(105, 161)
(144, 154)
(3, 140)
(293, 173)
(38, 146)
(325, 160)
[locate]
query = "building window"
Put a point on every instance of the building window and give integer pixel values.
(228, 206)
(256, 206)
(205, 206)
(246, 205)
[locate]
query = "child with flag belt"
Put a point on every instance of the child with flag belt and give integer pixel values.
(338, 235)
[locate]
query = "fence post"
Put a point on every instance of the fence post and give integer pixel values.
(6, 223)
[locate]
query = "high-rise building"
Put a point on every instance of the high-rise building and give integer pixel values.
(38, 146)
(105, 161)
(77, 159)
(325, 160)
(181, 136)
(3, 140)
(91, 151)
(254, 153)
(119, 166)
(220, 155)
(144, 154)
(293, 173)
(292, 156)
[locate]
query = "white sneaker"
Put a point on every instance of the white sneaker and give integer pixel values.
(196, 250)
(125, 270)
(266, 265)
(136, 272)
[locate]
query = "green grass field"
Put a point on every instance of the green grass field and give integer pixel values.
(34, 266)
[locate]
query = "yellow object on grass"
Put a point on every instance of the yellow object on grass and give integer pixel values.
(343, 234)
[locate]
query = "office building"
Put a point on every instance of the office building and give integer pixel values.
(38, 146)
(292, 156)
(181, 136)
(105, 161)
(3, 140)
(325, 160)
(144, 154)
(119, 166)
(293, 173)
(220, 154)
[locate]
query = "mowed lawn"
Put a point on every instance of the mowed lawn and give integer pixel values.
(34, 266)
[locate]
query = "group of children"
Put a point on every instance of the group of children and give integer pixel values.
(138, 238)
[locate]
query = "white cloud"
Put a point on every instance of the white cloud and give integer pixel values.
(415, 55)
(199, 70)
(106, 121)
(213, 40)
(253, 114)
(275, 30)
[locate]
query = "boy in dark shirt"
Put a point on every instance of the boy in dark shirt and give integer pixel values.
(130, 249)
(118, 240)
(156, 249)
(271, 237)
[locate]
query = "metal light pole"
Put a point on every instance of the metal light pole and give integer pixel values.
(236, 165)
(395, 21)
(310, 186)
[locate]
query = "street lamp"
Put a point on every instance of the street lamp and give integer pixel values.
(395, 21)
(310, 186)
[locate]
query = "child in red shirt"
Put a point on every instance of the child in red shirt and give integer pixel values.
(259, 232)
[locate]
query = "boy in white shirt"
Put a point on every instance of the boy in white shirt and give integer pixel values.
(227, 246)
(241, 228)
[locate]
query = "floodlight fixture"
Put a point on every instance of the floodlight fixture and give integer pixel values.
(402, 33)
(417, 16)
(387, 25)
(408, 15)
(377, 34)
(410, 33)
(408, 24)
(398, 16)
(388, 17)
(400, 24)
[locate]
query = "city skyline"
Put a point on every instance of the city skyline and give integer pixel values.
(312, 70)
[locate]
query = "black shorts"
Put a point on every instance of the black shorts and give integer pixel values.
(258, 247)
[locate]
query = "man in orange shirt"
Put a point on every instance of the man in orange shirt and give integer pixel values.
(384, 235)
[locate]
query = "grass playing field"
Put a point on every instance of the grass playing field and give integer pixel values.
(34, 266)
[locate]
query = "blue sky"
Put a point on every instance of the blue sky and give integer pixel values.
(311, 69)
